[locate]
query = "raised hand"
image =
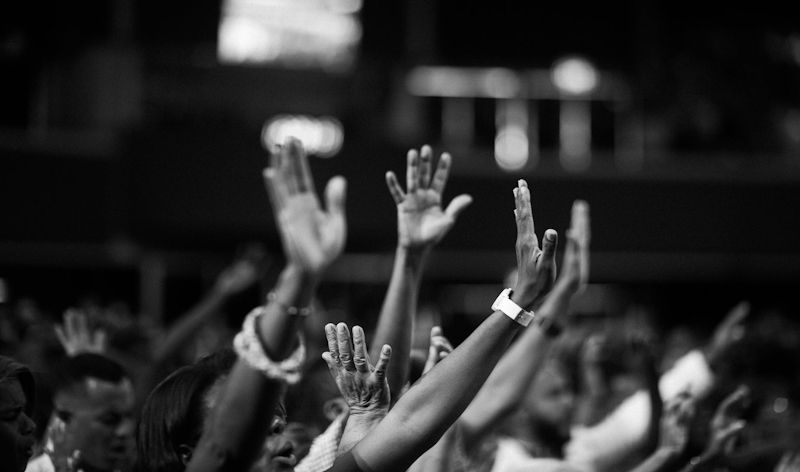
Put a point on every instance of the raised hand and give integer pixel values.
(675, 423)
(790, 462)
(312, 237)
(536, 268)
(238, 276)
(439, 348)
(575, 269)
(730, 330)
(363, 386)
(76, 337)
(726, 425)
(421, 223)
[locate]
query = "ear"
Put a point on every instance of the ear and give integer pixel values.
(186, 453)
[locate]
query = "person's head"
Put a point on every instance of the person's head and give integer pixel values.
(16, 407)
(550, 402)
(173, 417)
(93, 412)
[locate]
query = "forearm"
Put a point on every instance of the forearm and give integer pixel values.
(506, 386)
(433, 404)
(187, 325)
(357, 427)
(660, 461)
(396, 321)
(509, 382)
(239, 422)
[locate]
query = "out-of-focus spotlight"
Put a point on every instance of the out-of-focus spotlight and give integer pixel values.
(321, 136)
(780, 405)
(500, 83)
(511, 148)
(574, 76)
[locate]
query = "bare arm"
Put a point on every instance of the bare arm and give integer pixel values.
(237, 277)
(506, 387)
(312, 238)
(432, 404)
(421, 224)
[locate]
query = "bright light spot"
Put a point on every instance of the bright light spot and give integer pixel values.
(501, 83)
(320, 136)
(294, 33)
(242, 40)
(511, 148)
(780, 405)
(441, 81)
(574, 76)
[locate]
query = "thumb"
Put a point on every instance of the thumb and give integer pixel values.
(336, 195)
(457, 205)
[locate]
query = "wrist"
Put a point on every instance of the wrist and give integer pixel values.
(296, 286)
(524, 297)
(413, 254)
(367, 415)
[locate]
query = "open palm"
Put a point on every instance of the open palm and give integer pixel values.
(421, 222)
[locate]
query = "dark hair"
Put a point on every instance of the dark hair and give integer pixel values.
(175, 410)
(10, 370)
(77, 369)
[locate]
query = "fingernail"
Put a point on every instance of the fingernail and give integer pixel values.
(550, 235)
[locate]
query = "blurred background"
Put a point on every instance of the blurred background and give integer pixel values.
(132, 135)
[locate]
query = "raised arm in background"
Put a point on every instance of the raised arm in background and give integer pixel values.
(238, 276)
(436, 400)
(504, 391)
(673, 435)
(421, 223)
(312, 239)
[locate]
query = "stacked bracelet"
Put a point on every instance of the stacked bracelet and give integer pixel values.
(272, 297)
(250, 350)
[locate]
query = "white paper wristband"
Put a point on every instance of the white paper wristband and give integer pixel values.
(512, 310)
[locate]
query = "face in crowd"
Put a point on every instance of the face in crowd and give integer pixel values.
(551, 403)
(16, 426)
(96, 417)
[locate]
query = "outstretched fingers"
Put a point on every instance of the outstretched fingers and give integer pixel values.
(295, 161)
(525, 227)
(379, 372)
(425, 163)
(457, 205)
(442, 171)
(394, 188)
(360, 355)
(331, 356)
(345, 348)
(336, 197)
(412, 171)
(734, 403)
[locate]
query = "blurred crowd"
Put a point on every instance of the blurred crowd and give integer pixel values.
(535, 386)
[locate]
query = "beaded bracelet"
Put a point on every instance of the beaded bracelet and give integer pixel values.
(250, 350)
